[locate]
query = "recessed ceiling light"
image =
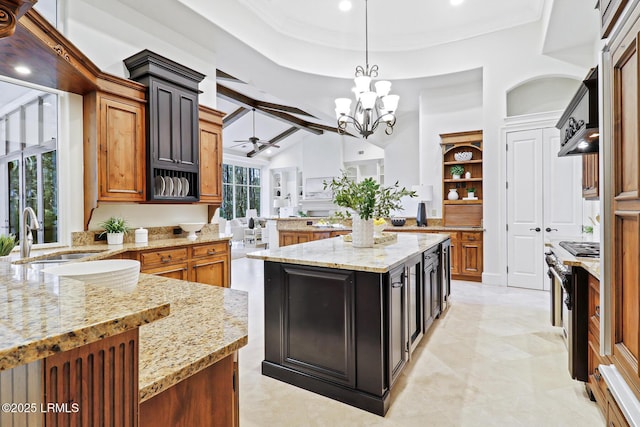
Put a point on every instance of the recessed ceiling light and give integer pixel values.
(21, 69)
(456, 2)
(269, 151)
(345, 5)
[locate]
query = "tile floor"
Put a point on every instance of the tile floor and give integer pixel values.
(492, 360)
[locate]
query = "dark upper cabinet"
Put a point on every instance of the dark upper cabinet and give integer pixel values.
(172, 126)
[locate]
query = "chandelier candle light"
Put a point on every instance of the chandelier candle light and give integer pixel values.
(372, 107)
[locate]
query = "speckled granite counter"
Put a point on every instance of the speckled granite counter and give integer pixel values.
(301, 224)
(591, 265)
(335, 253)
(41, 314)
(206, 324)
(102, 250)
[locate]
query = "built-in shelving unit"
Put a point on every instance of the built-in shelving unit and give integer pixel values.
(462, 212)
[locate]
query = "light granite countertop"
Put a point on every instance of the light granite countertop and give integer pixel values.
(336, 253)
(206, 324)
(194, 325)
(591, 265)
(102, 250)
(42, 314)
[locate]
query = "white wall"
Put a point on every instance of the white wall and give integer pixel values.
(107, 39)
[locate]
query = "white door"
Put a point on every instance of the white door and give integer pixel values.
(524, 209)
(544, 201)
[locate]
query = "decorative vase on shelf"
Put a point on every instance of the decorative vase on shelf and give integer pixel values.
(115, 238)
(361, 232)
(5, 259)
(467, 175)
(453, 194)
(456, 176)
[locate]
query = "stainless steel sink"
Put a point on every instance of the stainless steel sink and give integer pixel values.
(62, 257)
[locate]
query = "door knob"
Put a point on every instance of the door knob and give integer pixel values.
(548, 230)
(537, 229)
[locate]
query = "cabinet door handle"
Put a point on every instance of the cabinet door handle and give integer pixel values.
(165, 260)
(397, 284)
(549, 230)
(211, 251)
(597, 375)
(597, 311)
(537, 229)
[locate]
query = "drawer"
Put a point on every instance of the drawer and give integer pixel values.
(210, 249)
(598, 385)
(470, 236)
(165, 256)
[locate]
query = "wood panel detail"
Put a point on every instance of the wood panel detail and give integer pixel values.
(204, 399)
(210, 155)
(100, 378)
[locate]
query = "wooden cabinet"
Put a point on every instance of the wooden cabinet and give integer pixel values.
(590, 178)
(210, 156)
(208, 263)
(415, 283)
(471, 255)
(172, 126)
(100, 377)
(398, 351)
(596, 384)
(624, 233)
(431, 290)
(114, 148)
(210, 395)
(610, 11)
(463, 211)
(292, 237)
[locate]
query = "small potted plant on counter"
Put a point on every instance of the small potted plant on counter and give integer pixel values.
(457, 171)
(471, 193)
(365, 200)
(115, 228)
(7, 243)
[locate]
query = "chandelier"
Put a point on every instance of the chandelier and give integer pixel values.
(373, 107)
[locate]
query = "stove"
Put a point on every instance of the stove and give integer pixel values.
(582, 249)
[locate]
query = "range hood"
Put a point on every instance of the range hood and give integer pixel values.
(579, 129)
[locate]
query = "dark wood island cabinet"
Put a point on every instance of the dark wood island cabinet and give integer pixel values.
(343, 322)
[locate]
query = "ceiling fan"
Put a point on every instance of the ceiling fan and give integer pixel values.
(258, 144)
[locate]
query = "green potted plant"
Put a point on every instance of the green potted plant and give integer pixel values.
(365, 200)
(471, 192)
(457, 171)
(115, 228)
(7, 243)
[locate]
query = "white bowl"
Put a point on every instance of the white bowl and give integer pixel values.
(463, 156)
(191, 228)
(120, 274)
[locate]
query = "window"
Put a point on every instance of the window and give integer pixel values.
(240, 190)
(29, 161)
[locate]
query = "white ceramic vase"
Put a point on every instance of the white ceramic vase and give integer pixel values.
(5, 258)
(471, 194)
(453, 194)
(115, 238)
(361, 232)
(456, 176)
(467, 175)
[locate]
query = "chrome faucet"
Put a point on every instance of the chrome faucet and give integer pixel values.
(26, 239)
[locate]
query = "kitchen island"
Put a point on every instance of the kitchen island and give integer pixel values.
(342, 321)
(59, 336)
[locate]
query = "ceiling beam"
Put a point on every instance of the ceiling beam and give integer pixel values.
(248, 102)
(230, 118)
(273, 141)
(221, 75)
(285, 108)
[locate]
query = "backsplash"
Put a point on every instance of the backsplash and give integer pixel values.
(83, 238)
